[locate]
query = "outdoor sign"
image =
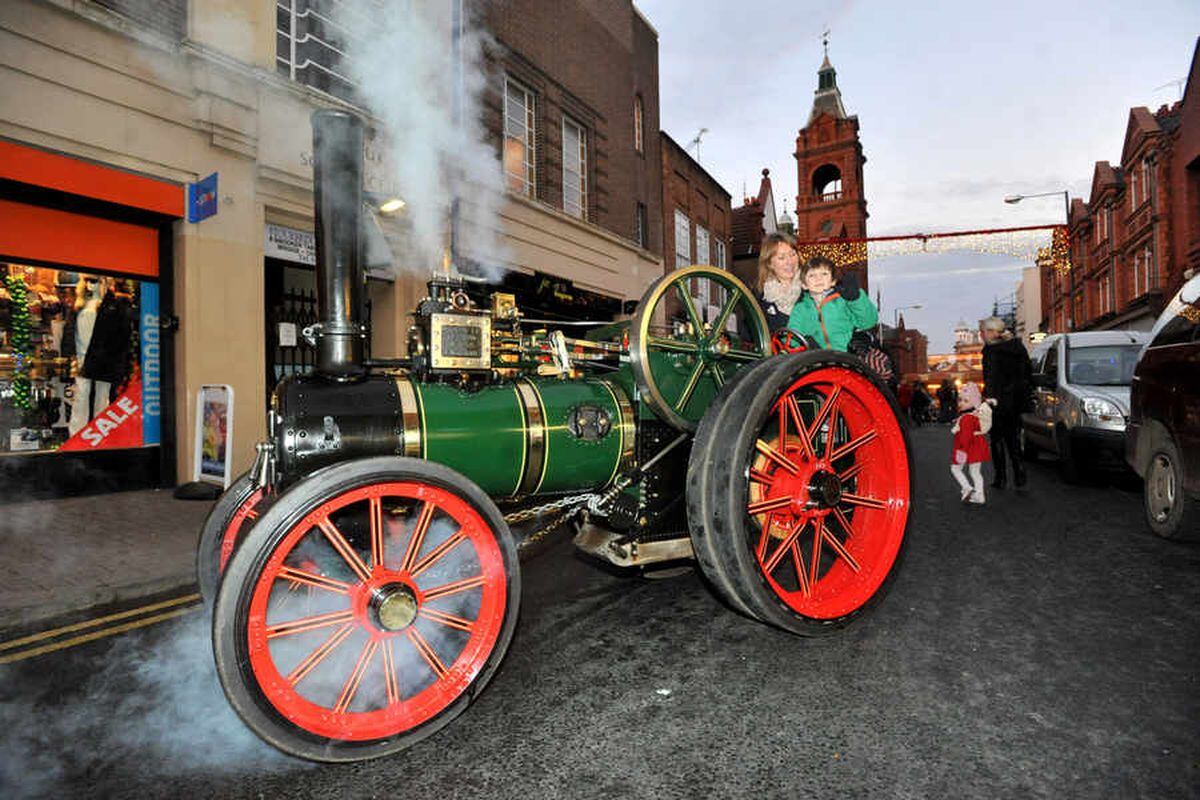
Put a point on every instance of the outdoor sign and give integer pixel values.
(290, 244)
(149, 333)
(214, 432)
(202, 198)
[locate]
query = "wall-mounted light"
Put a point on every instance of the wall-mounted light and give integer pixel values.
(391, 205)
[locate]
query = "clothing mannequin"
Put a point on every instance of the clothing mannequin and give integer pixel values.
(90, 397)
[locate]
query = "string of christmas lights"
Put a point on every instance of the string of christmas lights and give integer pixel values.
(19, 332)
(1024, 244)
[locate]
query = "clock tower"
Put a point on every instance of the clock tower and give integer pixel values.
(829, 163)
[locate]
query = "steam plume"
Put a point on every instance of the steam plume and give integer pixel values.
(428, 94)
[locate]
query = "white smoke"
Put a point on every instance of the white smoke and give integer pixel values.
(152, 699)
(428, 93)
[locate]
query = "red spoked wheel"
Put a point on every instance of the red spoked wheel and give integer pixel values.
(799, 491)
(224, 527)
(786, 340)
(366, 608)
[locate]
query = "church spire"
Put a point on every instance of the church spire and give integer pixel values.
(828, 98)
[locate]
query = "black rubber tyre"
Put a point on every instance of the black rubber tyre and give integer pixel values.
(1029, 450)
(718, 488)
(701, 491)
(212, 535)
(1164, 500)
(257, 563)
(1069, 468)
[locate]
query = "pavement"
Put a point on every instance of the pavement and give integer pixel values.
(69, 555)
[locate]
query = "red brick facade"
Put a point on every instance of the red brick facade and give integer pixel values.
(908, 348)
(1139, 232)
(829, 165)
(591, 63)
(690, 190)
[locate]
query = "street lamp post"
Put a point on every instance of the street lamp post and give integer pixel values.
(896, 313)
(1013, 199)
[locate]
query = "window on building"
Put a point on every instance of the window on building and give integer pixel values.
(520, 138)
(1108, 221)
(703, 252)
(1143, 271)
(311, 43)
(1148, 270)
(641, 231)
(1104, 298)
(827, 183)
(638, 124)
(1148, 181)
(168, 17)
(574, 157)
(1133, 189)
(683, 240)
(719, 258)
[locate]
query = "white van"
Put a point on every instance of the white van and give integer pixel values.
(1081, 398)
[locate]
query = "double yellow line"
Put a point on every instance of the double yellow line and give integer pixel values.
(110, 625)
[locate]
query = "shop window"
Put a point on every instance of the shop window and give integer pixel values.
(80, 365)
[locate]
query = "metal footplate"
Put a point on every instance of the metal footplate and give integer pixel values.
(622, 551)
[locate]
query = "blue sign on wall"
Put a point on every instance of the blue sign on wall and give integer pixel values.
(202, 198)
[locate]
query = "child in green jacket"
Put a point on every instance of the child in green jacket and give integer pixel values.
(830, 312)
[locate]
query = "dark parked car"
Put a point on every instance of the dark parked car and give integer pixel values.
(1162, 441)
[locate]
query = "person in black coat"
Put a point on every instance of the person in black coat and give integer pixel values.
(1008, 379)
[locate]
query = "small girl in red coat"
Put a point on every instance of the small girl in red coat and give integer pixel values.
(970, 442)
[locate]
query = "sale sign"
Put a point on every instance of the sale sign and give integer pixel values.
(119, 425)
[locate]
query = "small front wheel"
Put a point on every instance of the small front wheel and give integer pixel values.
(223, 529)
(366, 609)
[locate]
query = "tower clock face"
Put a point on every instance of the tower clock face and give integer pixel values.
(826, 227)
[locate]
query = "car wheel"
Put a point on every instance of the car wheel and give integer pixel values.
(1164, 499)
(1068, 467)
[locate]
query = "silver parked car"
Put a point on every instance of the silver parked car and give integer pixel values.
(1081, 398)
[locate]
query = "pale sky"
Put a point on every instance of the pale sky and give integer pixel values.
(959, 103)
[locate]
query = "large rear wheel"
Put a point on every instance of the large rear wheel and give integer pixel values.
(799, 490)
(366, 609)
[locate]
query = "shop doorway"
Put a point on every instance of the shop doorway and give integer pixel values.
(291, 306)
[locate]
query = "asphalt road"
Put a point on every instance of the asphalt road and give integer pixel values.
(1043, 645)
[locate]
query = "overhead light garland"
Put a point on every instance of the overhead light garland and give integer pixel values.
(1025, 244)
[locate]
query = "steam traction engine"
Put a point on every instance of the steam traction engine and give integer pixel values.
(365, 581)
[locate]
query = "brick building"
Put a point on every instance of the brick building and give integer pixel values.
(1139, 231)
(908, 348)
(752, 220)
(829, 162)
(696, 218)
(574, 110)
